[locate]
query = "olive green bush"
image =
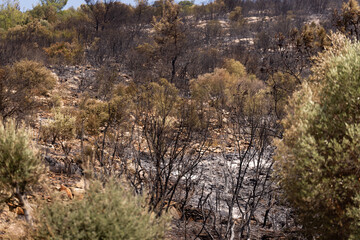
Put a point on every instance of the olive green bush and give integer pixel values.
(104, 213)
(20, 163)
(228, 88)
(318, 160)
(26, 41)
(10, 15)
(61, 128)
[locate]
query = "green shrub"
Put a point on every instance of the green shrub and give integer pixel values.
(61, 128)
(97, 115)
(33, 34)
(236, 15)
(104, 213)
(318, 161)
(10, 15)
(55, 101)
(20, 163)
(228, 88)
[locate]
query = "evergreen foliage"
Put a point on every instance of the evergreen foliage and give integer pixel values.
(104, 213)
(58, 4)
(10, 15)
(228, 88)
(33, 77)
(318, 159)
(20, 164)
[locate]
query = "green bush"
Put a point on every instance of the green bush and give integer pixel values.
(104, 213)
(10, 15)
(228, 88)
(20, 163)
(318, 161)
(61, 128)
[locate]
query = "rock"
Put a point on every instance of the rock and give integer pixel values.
(217, 150)
(67, 191)
(205, 236)
(60, 167)
(80, 184)
(78, 193)
(19, 211)
(174, 212)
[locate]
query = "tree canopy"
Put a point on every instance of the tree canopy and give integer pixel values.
(318, 158)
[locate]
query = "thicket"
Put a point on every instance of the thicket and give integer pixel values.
(317, 161)
(109, 212)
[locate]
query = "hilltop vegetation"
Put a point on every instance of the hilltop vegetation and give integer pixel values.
(226, 120)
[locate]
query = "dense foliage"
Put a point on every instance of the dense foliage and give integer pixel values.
(318, 159)
(20, 164)
(108, 212)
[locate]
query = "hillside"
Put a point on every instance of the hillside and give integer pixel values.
(180, 108)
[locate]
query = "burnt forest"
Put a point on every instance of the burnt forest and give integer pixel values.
(221, 120)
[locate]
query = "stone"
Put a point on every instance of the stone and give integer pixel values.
(19, 211)
(67, 191)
